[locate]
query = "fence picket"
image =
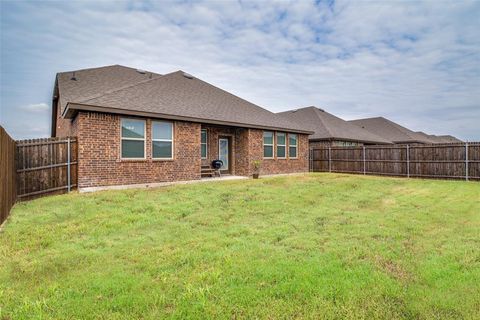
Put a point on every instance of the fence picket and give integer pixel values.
(49, 165)
(7, 174)
(466, 161)
(408, 161)
(450, 161)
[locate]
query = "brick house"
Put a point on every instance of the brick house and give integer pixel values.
(139, 127)
(330, 130)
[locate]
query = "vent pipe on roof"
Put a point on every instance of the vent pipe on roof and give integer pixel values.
(73, 77)
(187, 75)
(141, 71)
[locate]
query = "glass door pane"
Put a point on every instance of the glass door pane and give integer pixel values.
(223, 152)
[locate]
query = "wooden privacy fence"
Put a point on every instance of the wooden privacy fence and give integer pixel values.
(447, 161)
(46, 166)
(7, 174)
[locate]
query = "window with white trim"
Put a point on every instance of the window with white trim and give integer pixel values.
(162, 140)
(132, 139)
(268, 144)
(281, 145)
(292, 145)
(203, 144)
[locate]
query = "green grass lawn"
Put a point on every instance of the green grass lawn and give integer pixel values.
(308, 246)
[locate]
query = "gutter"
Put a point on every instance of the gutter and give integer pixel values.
(71, 110)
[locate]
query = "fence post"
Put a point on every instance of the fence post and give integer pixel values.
(68, 164)
(466, 161)
(329, 159)
(310, 162)
(408, 161)
(364, 168)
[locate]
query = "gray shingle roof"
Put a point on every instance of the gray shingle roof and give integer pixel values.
(176, 95)
(445, 139)
(390, 130)
(95, 81)
(327, 126)
(428, 138)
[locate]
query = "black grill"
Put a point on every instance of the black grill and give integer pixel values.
(217, 164)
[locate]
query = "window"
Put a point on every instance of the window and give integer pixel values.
(292, 145)
(133, 139)
(267, 144)
(203, 144)
(162, 140)
(281, 145)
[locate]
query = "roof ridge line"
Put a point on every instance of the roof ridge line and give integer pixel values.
(171, 73)
(363, 130)
(237, 97)
(87, 69)
(108, 66)
(316, 110)
(123, 87)
(407, 131)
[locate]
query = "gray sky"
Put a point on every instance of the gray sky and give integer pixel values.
(415, 63)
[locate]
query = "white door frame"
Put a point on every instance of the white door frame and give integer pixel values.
(228, 152)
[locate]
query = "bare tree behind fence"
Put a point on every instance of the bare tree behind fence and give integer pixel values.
(7, 174)
(46, 166)
(448, 161)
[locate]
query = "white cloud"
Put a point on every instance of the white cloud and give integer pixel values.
(36, 107)
(404, 60)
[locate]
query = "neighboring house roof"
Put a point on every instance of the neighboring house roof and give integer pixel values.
(445, 139)
(329, 127)
(176, 95)
(390, 130)
(428, 138)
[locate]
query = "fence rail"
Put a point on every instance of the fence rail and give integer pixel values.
(7, 174)
(446, 161)
(46, 166)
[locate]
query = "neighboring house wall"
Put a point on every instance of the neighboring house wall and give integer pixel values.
(99, 154)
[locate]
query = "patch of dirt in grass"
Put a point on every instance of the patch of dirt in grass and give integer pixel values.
(403, 190)
(389, 202)
(393, 269)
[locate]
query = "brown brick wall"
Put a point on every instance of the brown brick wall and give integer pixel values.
(63, 126)
(99, 154)
(248, 146)
(276, 165)
(100, 164)
(242, 160)
(238, 144)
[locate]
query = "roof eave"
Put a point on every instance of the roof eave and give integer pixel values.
(351, 140)
(410, 141)
(71, 110)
